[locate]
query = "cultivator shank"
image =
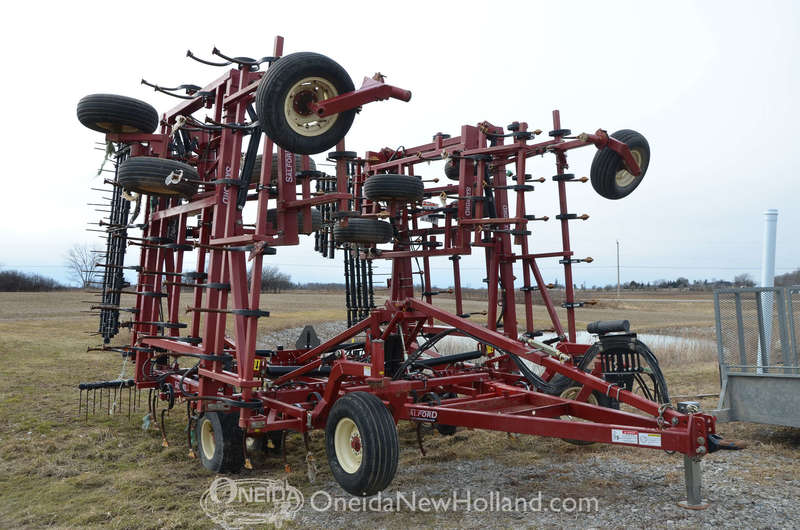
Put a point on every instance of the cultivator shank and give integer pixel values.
(197, 176)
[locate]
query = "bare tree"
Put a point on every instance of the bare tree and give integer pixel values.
(81, 261)
(273, 280)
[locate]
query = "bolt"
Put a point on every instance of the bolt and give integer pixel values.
(674, 421)
(701, 440)
(701, 450)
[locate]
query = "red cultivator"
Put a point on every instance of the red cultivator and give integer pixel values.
(194, 179)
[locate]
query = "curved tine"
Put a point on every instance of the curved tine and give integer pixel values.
(187, 87)
(199, 60)
(234, 126)
(268, 59)
(197, 123)
(244, 61)
(166, 90)
(190, 89)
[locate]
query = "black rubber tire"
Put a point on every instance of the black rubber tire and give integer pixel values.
(274, 90)
(606, 163)
(227, 455)
(389, 187)
(109, 113)
(378, 441)
(316, 220)
(452, 169)
(298, 164)
(364, 231)
(147, 174)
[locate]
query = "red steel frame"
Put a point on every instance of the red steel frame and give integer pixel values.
(490, 396)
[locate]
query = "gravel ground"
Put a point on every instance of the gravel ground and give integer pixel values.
(629, 494)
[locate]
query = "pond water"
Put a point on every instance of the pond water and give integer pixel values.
(655, 342)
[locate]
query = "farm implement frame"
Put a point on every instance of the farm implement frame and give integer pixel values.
(192, 182)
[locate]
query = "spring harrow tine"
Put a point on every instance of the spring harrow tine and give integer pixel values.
(244, 61)
(162, 427)
(190, 421)
(419, 439)
(190, 90)
(190, 55)
(286, 467)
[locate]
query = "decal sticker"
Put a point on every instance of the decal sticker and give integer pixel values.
(651, 439)
(619, 436)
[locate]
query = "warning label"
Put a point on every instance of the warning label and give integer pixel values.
(619, 436)
(651, 439)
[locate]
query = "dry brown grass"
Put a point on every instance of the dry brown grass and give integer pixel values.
(58, 470)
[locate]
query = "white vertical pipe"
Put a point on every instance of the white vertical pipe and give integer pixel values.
(767, 280)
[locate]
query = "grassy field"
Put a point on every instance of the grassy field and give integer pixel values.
(56, 469)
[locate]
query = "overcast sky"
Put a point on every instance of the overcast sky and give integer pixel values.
(712, 85)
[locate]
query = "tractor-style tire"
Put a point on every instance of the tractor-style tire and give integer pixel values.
(364, 231)
(608, 174)
(109, 113)
(219, 442)
(316, 220)
(298, 165)
(388, 187)
(289, 86)
(147, 174)
(361, 443)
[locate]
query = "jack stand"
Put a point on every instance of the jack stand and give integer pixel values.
(694, 483)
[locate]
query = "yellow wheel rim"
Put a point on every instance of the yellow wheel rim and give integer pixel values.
(114, 127)
(625, 178)
(572, 393)
(299, 116)
(207, 443)
(347, 441)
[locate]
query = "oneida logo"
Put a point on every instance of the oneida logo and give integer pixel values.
(252, 501)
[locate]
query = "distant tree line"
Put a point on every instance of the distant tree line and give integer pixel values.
(790, 278)
(741, 280)
(21, 281)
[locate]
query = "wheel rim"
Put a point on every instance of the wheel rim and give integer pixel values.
(625, 178)
(572, 393)
(299, 115)
(347, 441)
(116, 127)
(207, 442)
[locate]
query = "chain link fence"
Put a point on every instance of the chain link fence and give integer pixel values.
(758, 329)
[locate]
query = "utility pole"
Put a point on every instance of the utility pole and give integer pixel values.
(617, 268)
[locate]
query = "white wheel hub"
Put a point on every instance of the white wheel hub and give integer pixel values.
(347, 442)
(297, 111)
(207, 443)
(625, 178)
